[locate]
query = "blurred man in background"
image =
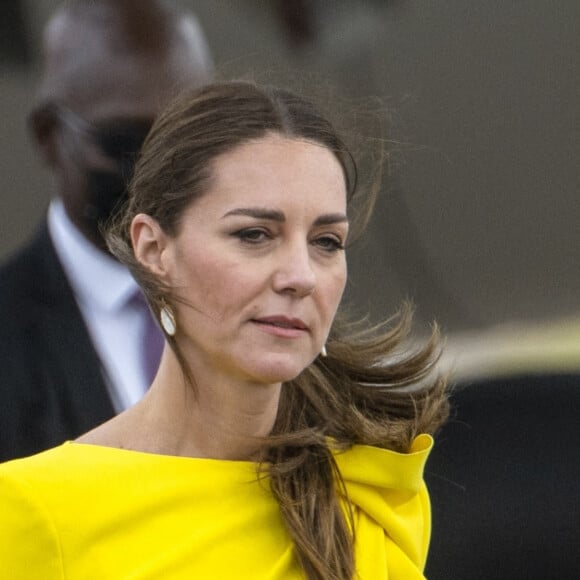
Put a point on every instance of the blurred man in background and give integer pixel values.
(77, 343)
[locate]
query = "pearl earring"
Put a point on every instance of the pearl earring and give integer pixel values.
(323, 351)
(167, 318)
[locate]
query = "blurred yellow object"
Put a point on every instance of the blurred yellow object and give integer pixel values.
(516, 348)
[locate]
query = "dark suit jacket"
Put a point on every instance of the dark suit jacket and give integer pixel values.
(51, 384)
(504, 479)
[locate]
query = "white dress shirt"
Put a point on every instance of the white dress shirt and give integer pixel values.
(103, 289)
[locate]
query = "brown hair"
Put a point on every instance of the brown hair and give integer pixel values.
(368, 390)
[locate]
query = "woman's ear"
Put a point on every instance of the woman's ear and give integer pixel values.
(149, 243)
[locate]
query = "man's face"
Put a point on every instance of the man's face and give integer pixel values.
(98, 160)
(107, 100)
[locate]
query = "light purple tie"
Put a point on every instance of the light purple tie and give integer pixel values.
(151, 339)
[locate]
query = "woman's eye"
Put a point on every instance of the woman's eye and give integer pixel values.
(252, 235)
(329, 243)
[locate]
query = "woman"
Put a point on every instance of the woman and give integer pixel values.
(276, 441)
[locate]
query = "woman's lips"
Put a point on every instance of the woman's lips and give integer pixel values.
(282, 326)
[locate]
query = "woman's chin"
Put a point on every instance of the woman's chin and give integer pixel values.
(278, 369)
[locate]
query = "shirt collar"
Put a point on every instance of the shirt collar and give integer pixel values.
(97, 279)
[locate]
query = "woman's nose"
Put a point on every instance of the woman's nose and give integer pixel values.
(295, 273)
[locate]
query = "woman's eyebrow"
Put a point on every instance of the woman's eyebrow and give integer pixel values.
(278, 216)
(258, 212)
(328, 219)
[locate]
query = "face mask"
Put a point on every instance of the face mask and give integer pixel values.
(107, 191)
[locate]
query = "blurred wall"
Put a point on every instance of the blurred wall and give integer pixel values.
(478, 219)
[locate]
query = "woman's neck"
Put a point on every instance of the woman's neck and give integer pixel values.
(216, 418)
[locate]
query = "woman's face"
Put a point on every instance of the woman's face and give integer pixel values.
(259, 260)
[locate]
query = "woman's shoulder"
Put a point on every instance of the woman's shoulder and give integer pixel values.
(67, 465)
(86, 469)
(43, 462)
(46, 475)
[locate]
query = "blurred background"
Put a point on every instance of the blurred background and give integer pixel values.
(478, 222)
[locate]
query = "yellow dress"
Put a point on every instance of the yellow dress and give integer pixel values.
(89, 512)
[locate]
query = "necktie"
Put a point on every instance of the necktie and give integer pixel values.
(151, 339)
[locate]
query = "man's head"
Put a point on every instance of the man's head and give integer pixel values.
(110, 67)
